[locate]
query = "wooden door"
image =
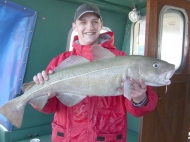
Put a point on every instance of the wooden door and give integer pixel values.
(169, 122)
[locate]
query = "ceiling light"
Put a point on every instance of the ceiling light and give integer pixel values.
(134, 15)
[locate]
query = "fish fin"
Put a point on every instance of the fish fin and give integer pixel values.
(26, 86)
(12, 113)
(71, 61)
(69, 99)
(101, 53)
(127, 88)
(40, 102)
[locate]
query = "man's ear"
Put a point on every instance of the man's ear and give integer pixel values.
(74, 26)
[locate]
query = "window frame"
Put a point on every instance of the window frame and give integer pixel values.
(185, 34)
(142, 18)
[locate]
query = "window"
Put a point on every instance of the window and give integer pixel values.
(73, 33)
(138, 37)
(172, 36)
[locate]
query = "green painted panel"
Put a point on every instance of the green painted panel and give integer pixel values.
(30, 132)
(133, 123)
(23, 134)
(46, 138)
(129, 3)
(132, 136)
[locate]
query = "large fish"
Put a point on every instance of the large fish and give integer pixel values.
(76, 77)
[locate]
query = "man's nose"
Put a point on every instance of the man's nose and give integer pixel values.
(90, 26)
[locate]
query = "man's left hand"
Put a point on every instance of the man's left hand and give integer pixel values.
(138, 91)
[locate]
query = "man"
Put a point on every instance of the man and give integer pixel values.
(94, 118)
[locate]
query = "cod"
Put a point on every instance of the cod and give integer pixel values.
(76, 77)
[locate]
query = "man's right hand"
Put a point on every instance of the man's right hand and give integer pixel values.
(41, 77)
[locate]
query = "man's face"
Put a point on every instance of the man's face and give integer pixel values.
(88, 27)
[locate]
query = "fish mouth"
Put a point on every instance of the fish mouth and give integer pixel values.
(162, 79)
(165, 77)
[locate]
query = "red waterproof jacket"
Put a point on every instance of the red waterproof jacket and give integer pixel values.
(94, 118)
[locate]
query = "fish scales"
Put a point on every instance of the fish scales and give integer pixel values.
(90, 77)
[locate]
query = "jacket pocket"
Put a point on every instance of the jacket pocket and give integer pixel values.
(58, 133)
(110, 138)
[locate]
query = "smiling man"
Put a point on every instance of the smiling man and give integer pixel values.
(94, 118)
(88, 27)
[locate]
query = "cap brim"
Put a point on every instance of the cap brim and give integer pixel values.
(87, 12)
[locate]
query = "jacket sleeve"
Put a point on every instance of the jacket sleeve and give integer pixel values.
(145, 108)
(50, 107)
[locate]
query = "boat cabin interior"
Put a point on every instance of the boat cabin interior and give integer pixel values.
(37, 31)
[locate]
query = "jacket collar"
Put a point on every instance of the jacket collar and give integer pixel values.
(106, 40)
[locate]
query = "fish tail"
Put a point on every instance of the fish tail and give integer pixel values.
(13, 113)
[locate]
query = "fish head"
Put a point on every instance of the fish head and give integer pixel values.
(154, 72)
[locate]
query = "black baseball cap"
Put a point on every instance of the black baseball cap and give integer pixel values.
(85, 8)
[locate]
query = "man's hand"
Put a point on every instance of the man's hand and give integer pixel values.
(137, 92)
(41, 77)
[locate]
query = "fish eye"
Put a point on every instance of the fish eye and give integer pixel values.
(156, 65)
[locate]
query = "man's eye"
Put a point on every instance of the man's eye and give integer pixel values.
(82, 22)
(95, 22)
